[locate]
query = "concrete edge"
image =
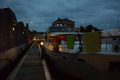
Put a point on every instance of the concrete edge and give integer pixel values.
(15, 71)
(47, 74)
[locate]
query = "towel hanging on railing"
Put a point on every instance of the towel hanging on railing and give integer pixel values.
(70, 41)
(91, 42)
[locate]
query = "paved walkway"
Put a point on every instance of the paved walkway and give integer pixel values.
(32, 67)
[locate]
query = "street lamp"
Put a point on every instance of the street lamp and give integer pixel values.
(32, 24)
(82, 23)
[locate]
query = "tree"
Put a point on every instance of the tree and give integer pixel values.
(90, 28)
(35, 32)
(82, 29)
(96, 29)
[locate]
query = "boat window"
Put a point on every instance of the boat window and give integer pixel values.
(65, 25)
(61, 25)
(57, 24)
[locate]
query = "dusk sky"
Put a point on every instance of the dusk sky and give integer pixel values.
(40, 14)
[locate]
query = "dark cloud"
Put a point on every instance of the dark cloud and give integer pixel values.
(100, 13)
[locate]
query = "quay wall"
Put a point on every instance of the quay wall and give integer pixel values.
(10, 55)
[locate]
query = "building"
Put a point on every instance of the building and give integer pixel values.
(76, 29)
(60, 29)
(11, 31)
(9, 14)
(64, 22)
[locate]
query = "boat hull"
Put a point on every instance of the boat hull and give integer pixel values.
(85, 66)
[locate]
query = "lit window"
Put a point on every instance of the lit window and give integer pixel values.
(65, 25)
(13, 29)
(60, 24)
(14, 24)
(57, 24)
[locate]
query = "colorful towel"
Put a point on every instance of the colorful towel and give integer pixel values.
(91, 42)
(70, 41)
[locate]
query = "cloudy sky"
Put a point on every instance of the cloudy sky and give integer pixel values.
(40, 14)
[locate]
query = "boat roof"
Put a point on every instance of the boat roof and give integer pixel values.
(63, 33)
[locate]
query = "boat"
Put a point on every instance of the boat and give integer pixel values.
(78, 64)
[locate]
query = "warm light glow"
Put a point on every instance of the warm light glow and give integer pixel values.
(13, 29)
(57, 24)
(60, 49)
(60, 24)
(34, 39)
(41, 43)
(23, 32)
(14, 24)
(42, 39)
(65, 25)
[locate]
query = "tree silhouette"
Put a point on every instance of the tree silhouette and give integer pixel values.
(82, 29)
(90, 28)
